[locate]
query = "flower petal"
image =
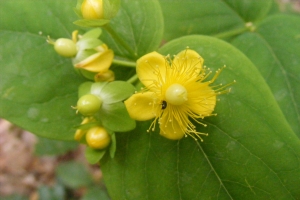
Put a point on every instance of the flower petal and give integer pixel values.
(201, 99)
(188, 62)
(171, 129)
(140, 106)
(151, 68)
(98, 62)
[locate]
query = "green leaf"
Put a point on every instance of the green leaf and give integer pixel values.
(210, 17)
(250, 153)
(116, 118)
(140, 25)
(111, 8)
(77, 9)
(37, 86)
(93, 156)
(95, 193)
(94, 33)
(116, 91)
(50, 147)
(74, 174)
(275, 50)
(113, 145)
(84, 88)
(91, 22)
(198, 17)
(96, 88)
(250, 10)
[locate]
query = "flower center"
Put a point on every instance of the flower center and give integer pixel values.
(176, 94)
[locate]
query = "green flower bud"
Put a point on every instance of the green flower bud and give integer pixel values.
(97, 138)
(65, 47)
(89, 104)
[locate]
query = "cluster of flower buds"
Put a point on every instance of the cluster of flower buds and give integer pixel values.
(100, 100)
(101, 104)
(90, 56)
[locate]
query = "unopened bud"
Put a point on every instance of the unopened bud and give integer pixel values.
(92, 9)
(107, 76)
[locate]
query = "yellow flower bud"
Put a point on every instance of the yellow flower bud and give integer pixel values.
(97, 138)
(92, 9)
(80, 132)
(105, 76)
(98, 62)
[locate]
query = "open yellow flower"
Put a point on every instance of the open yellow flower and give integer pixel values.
(175, 93)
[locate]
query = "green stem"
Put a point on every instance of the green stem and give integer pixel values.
(124, 63)
(231, 33)
(133, 79)
(120, 40)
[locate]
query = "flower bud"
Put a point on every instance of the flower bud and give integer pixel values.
(97, 138)
(64, 47)
(92, 9)
(80, 132)
(107, 76)
(89, 104)
(100, 61)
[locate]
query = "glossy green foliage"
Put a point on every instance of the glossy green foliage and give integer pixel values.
(252, 151)
(48, 147)
(74, 174)
(275, 49)
(140, 24)
(32, 74)
(249, 154)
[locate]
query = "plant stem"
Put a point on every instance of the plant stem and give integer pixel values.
(231, 33)
(116, 37)
(124, 63)
(133, 79)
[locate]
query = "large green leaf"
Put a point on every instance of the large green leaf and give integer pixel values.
(250, 153)
(252, 10)
(210, 17)
(48, 147)
(275, 50)
(74, 174)
(37, 87)
(140, 25)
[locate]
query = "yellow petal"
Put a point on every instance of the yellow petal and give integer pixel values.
(171, 129)
(151, 68)
(201, 99)
(140, 106)
(98, 62)
(188, 62)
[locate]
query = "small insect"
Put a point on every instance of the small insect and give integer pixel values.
(164, 105)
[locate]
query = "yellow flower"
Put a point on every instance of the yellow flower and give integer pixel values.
(92, 9)
(99, 61)
(175, 93)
